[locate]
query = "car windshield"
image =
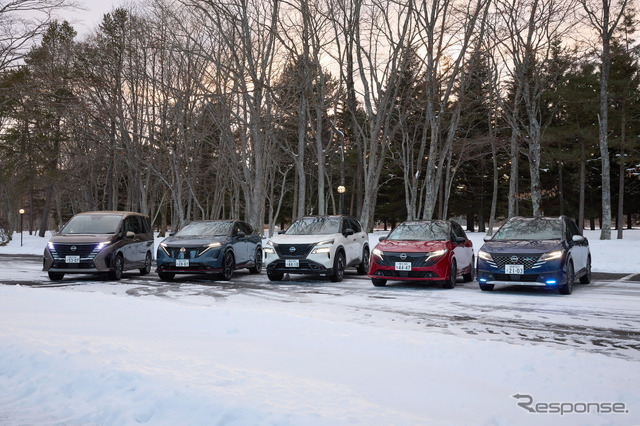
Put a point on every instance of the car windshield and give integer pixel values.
(530, 229)
(93, 224)
(314, 226)
(420, 231)
(205, 229)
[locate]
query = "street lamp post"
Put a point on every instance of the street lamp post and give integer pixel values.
(341, 190)
(21, 211)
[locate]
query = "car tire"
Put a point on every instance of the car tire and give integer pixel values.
(228, 266)
(338, 267)
(586, 278)
(363, 268)
(568, 287)
(378, 282)
(118, 268)
(471, 275)
(453, 272)
(257, 264)
(486, 287)
(56, 276)
(147, 265)
(275, 276)
(166, 276)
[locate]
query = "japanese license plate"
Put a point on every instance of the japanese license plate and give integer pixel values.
(403, 266)
(514, 269)
(292, 263)
(72, 259)
(182, 263)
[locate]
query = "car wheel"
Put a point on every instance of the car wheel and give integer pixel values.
(338, 267)
(378, 282)
(166, 276)
(275, 276)
(56, 276)
(568, 287)
(469, 277)
(257, 264)
(486, 287)
(451, 282)
(118, 268)
(363, 268)
(228, 266)
(147, 265)
(586, 278)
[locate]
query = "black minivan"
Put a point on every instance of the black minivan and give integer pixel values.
(108, 243)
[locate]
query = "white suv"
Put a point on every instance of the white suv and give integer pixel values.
(321, 245)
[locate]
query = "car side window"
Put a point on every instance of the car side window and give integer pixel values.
(246, 228)
(458, 231)
(145, 227)
(574, 228)
(568, 231)
(355, 225)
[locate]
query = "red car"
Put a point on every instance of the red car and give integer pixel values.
(426, 250)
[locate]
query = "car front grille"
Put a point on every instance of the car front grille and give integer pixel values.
(405, 274)
(293, 251)
(515, 259)
(188, 253)
(60, 251)
(527, 278)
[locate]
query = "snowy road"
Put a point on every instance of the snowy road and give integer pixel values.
(602, 317)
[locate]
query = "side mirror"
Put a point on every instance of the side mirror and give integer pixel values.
(282, 231)
(461, 240)
(578, 239)
(241, 234)
(130, 234)
(485, 239)
(383, 238)
(348, 232)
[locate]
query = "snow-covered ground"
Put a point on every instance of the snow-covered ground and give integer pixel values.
(310, 352)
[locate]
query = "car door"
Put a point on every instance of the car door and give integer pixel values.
(350, 241)
(240, 244)
(579, 250)
(463, 251)
(129, 247)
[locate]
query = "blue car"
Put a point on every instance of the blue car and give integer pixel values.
(541, 251)
(215, 247)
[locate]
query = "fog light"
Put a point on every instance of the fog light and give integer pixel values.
(551, 282)
(483, 280)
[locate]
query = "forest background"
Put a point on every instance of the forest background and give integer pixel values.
(261, 109)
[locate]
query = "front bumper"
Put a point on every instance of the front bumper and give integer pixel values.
(551, 274)
(209, 263)
(92, 264)
(306, 266)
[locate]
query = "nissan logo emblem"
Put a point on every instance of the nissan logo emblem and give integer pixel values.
(292, 249)
(74, 248)
(514, 258)
(403, 256)
(182, 249)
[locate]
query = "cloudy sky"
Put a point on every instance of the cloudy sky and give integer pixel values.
(85, 20)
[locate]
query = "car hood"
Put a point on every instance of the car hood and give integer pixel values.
(522, 246)
(193, 241)
(411, 246)
(81, 238)
(303, 239)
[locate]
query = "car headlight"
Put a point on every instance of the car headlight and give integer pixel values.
(269, 250)
(484, 256)
(50, 245)
(323, 250)
(552, 255)
(210, 246)
(377, 253)
(164, 246)
(271, 243)
(102, 245)
(436, 253)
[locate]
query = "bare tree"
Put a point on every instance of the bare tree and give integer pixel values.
(604, 18)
